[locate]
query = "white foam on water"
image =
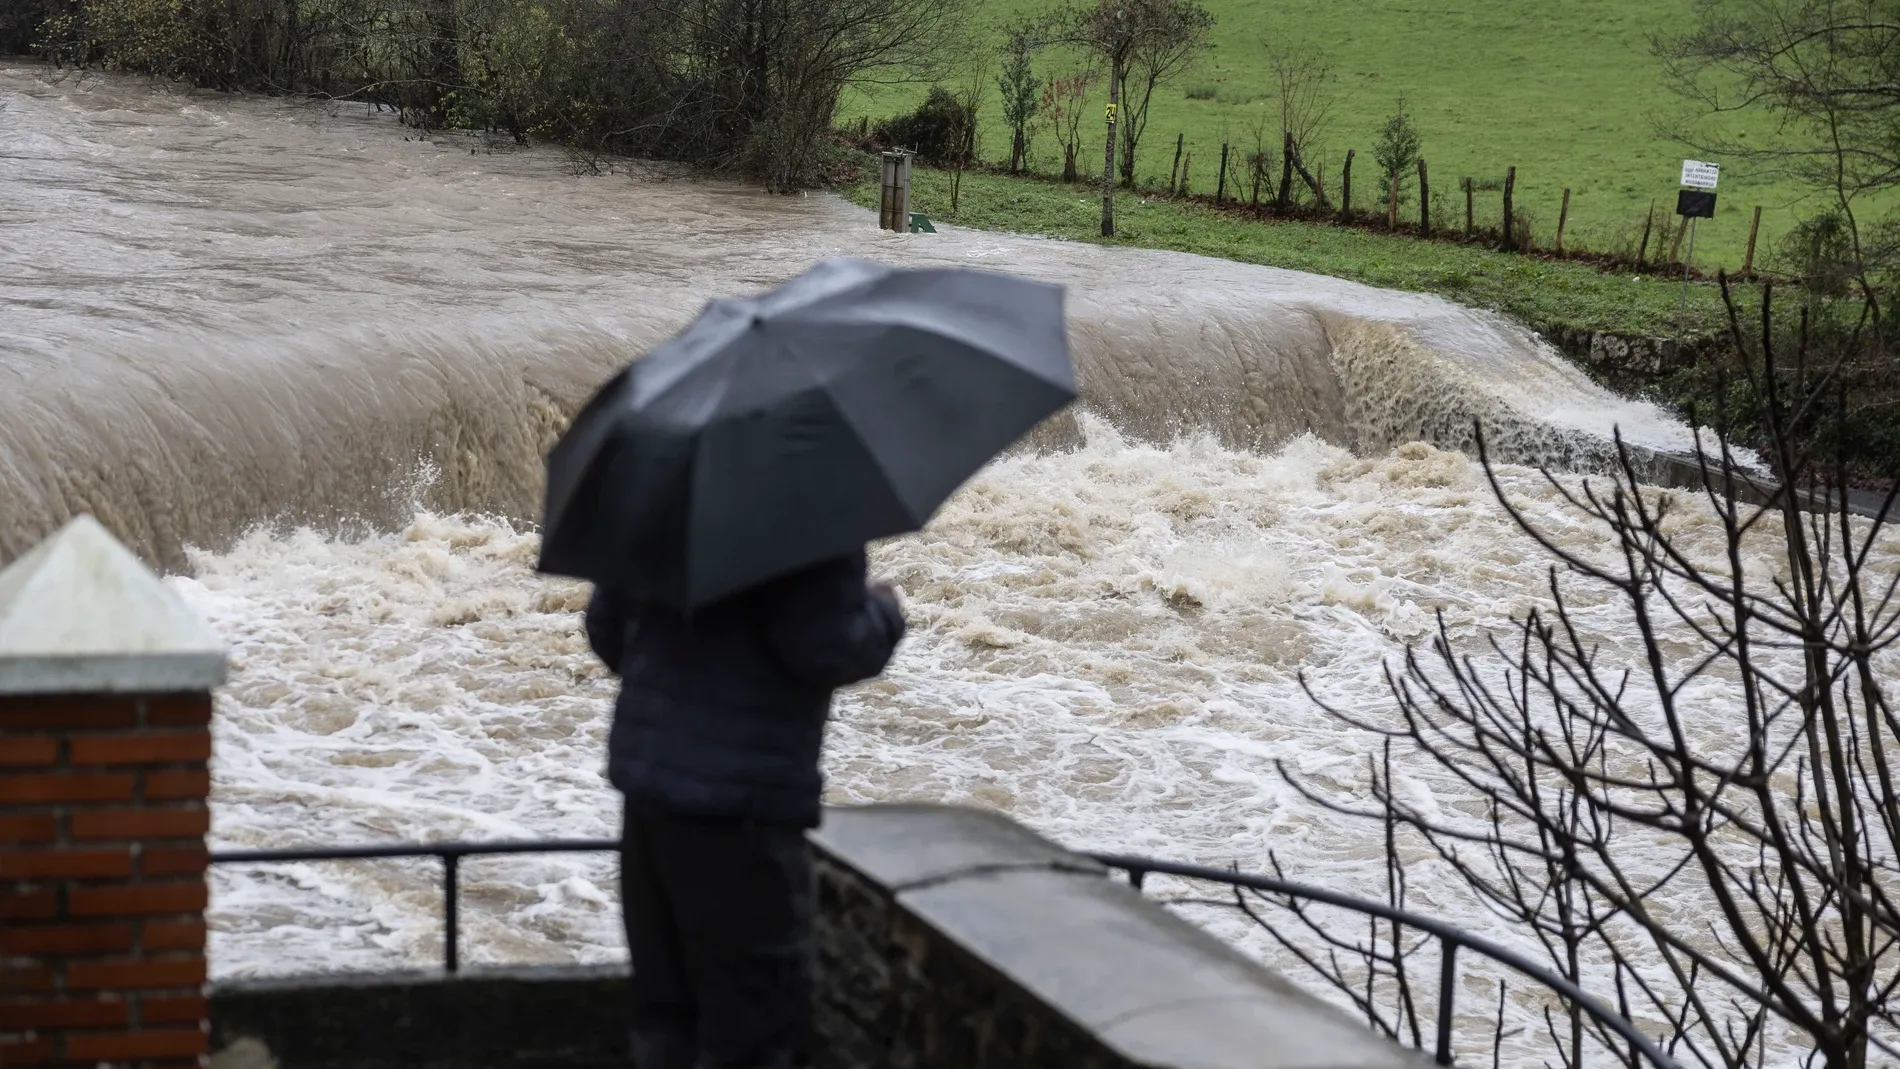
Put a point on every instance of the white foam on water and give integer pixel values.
(1106, 645)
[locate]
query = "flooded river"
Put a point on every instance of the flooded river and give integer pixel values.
(308, 363)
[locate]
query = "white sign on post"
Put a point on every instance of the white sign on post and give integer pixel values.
(1699, 175)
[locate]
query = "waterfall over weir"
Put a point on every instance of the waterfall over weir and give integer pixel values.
(219, 313)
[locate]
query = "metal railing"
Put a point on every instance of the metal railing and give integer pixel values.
(451, 855)
(1451, 939)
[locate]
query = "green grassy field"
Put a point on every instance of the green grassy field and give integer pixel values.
(1565, 90)
(1539, 292)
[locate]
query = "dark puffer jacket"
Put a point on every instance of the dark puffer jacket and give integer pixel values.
(722, 713)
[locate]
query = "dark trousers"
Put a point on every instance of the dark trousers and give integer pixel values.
(719, 918)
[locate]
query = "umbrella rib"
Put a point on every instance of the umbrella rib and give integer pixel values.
(890, 480)
(692, 473)
(820, 383)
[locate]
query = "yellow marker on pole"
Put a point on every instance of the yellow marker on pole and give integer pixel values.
(1111, 115)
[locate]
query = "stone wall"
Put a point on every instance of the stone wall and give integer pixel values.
(1626, 361)
(957, 938)
(545, 1017)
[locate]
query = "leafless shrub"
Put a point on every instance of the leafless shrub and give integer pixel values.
(1303, 88)
(1703, 823)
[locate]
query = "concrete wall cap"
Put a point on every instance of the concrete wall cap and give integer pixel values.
(905, 846)
(1156, 988)
(79, 614)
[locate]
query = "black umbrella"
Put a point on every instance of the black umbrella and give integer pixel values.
(778, 431)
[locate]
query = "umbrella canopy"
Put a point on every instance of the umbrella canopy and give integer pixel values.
(778, 431)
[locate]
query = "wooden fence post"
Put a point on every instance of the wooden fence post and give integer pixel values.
(1392, 203)
(956, 176)
(1220, 187)
(1748, 261)
(1286, 175)
(1186, 162)
(106, 678)
(1649, 222)
(1424, 202)
(1345, 188)
(1675, 247)
(1510, 187)
(1563, 216)
(1468, 212)
(1174, 172)
(1312, 181)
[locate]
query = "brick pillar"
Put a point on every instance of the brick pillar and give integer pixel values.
(105, 712)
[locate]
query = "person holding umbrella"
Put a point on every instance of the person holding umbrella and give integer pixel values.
(719, 493)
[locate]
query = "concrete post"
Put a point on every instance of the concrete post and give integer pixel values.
(894, 204)
(105, 713)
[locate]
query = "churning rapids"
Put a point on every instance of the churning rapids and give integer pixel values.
(309, 365)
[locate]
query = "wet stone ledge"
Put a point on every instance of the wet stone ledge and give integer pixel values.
(948, 938)
(957, 938)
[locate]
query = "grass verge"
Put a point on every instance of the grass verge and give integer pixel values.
(1546, 294)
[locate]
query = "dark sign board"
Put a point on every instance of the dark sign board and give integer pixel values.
(1695, 204)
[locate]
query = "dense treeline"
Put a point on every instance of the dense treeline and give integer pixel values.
(19, 21)
(747, 85)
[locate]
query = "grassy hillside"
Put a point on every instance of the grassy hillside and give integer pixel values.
(1565, 90)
